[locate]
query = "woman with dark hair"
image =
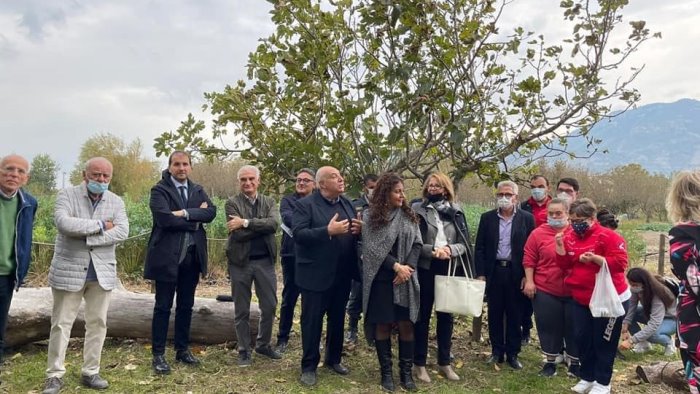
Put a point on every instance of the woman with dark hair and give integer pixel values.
(390, 247)
(582, 252)
(652, 304)
(551, 298)
(683, 207)
(607, 219)
(445, 235)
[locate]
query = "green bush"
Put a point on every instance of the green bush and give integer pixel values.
(658, 226)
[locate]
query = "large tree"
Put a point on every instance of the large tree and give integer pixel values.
(133, 174)
(407, 85)
(42, 179)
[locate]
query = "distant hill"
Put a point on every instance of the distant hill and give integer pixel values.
(662, 137)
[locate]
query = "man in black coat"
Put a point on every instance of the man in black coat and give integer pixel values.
(304, 185)
(500, 244)
(325, 235)
(177, 255)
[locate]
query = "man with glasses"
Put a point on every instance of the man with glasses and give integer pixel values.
(90, 221)
(253, 219)
(17, 211)
(354, 307)
(567, 188)
(500, 243)
(304, 185)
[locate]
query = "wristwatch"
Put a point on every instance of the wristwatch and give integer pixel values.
(245, 223)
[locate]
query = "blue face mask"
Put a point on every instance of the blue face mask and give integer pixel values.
(557, 223)
(538, 193)
(97, 187)
(580, 228)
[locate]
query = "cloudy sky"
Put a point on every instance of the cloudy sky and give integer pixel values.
(72, 68)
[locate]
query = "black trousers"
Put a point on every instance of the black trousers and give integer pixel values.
(597, 339)
(526, 315)
(7, 284)
(187, 279)
(504, 305)
(445, 321)
(314, 306)
(354, 307)
(290, 295)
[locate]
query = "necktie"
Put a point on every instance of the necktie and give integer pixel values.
(183, 195)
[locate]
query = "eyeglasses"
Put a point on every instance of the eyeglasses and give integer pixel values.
(304, 180)
(436, 187)
(506, 195)
(567, 191)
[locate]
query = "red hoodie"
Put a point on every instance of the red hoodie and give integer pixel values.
(541, 255)
(539, 211)
(601, 241)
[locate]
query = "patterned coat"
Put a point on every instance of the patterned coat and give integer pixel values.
(80, 238)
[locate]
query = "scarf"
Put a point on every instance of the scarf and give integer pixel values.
(377, 244)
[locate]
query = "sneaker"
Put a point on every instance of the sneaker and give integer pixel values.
(582, 387)
(53, 385)
(94, 382)
(548, 370)
(599, 389)
(281, 347)
(641, 347)
(268, 351)
(574, 370)
(244, 358)
(670, 349)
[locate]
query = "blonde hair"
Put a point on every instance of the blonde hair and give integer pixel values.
(683, 198)
(444, 181)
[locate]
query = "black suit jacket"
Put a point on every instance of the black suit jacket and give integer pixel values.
(163, 254)
(318, 256)
(487, 243)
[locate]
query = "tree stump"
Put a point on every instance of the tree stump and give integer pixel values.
(671, 373)
(129, 316)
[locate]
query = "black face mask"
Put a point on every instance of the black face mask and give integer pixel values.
(435, 197)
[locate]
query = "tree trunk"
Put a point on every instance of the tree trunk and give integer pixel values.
(129, 316)
(671, 373)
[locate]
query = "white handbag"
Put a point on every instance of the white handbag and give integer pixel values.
(458, 294)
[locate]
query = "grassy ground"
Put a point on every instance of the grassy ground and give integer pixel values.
(126, 364)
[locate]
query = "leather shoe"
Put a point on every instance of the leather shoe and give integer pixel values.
(514, 363)
(494, 359)
(340, 369)
(94, 382)
(308, 378)
(160, 366)
(268, 351)
(185, 356)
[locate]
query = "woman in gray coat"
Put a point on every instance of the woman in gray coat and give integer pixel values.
(445, 236)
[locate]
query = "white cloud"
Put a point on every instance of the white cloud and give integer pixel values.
(70, 69)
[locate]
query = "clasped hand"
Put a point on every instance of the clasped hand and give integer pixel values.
(403, 273)
(443, 253)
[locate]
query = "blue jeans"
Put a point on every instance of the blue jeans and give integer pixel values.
(662, 336)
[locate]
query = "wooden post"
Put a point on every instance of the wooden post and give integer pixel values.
(662, 253)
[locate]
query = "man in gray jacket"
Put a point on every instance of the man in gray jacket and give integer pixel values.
(90, 220)
(252, 222)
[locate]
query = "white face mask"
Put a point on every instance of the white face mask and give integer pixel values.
(564, 196)
(504, 203)
(370, 192)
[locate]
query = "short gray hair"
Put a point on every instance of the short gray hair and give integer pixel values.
(248, 167)
(92, 160)
(309, 171)
(512, 185)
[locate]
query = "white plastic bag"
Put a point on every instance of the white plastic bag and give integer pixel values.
(605, 302)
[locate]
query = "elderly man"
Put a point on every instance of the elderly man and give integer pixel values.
(17, 211)
(326, 234)
(252, 251)
(500, 245)
(305, 185)
(90, 221)
(176, 256)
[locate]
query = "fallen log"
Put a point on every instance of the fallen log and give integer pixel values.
(129, 316)
(671, 373)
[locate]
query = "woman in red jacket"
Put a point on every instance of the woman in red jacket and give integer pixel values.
(583, 251)
(544, 284)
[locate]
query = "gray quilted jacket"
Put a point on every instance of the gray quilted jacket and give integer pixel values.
(80, 238)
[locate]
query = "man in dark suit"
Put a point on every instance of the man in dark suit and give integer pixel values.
(177, 255)
(354, 308)
(304, 185)
(500, 243)
(325, 235)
